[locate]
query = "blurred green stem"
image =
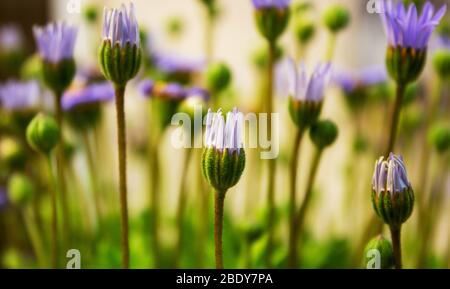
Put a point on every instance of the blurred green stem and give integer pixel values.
(331, 46)
(35, 238)
(122, 154)
(209, 34)
(92, 174)
(54, 222)
(271, 162)
(292, 259)
(397, 246)
(218, 227)
(395, 116)
(182, 207)
(301, 214)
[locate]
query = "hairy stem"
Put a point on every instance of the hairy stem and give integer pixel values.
(218, 228)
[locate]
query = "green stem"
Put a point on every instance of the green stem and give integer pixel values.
(271, 162)
(181, 207)
(204, 196)
(92, 174)
(395, 119)
(218, 228)
(209, 34)
(397, 246)
(122, 146)
(292, 259)
(54, 216)
(33, 235)
(330, 46)
(301, 214)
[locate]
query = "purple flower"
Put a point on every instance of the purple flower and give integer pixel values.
(224, 135)
(19, 96)
(198, 92)
(3, 198)
(56, 41)
(444, 42)
(351, 80)
(175, 64)
(11, 38)
(120, 26)
(280, 4)
(304, 88)
(390, 175)
(146, 87)
(85, 94)
(405, 28)
(171, 91)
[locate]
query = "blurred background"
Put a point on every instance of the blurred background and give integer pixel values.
(341, 207)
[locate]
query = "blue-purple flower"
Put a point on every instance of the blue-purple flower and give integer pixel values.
(120, 26)
(176, 64)
(406, 28)
(350, 81)
(56, 41)
(390, 175)
(280, 4)
(3, 198)
(86, 94)
(19, 96)
(11, 38)
(221, 134)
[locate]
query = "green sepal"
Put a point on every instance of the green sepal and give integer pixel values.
(58, 76)
(272, 22)
(304, 113)
(394, 208)
(405, 64)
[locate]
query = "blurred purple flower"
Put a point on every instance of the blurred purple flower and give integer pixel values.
(302, 87)
(86, 94)
(198, 92)
(175, 64)
(443, 42)
(3, 198)
(19, 96)
(146, 87)
(390, 175)
(11, 38)
(405, 28)
(221, 134)
(258, 4)
(56, 41)
(171, 90)
(348, 81)
(120, 26)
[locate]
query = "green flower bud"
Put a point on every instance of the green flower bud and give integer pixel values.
(336, 18)
(119, 64)
(272, 21)
(20, 189)
(90, 13)
(175, 26)
(11, 153)
(218, 77)
(323, 133)
(58, 76)
(392, 194)
(43, 133)
(441, 63)
(439, 137)
(222, 168)
(304, 30)
(260, 56)
(304, 112)
(384, 248)
(405, 64)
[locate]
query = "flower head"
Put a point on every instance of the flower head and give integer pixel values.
(280, 4)
(176, 64)
(3, 198)
(350, 81)
(392, 194)
(19, 96)
(120, 26)
(162, 90)
(406, 28)
(85, 94)
(56, 41)
(221, 134)
(11, 38)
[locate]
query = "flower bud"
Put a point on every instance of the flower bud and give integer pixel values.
(405, 64)
(392, 194)
(439, 137)
(323, 133)
(336, 18)
(304, 30)
(58, 76)
(20, 189)
(43, 133)
(271, 18)
(218, 77)
(304, 113)
(384, 248)
(441, 63)
(223, 160)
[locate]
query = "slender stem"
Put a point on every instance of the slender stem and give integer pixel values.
(54, 217)
(122, 146)
(292, 201)
(181, 207)
(397, 246)
(218, 227)
(209, 34)
(395, 118)
(271, 162)
(33, 235)
(204, 196)
(301, 214)
(92, 174)
(330, 46)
